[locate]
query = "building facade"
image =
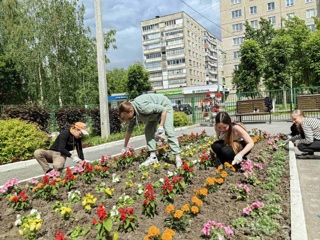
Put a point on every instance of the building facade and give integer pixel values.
(234, 13)
(179, 52)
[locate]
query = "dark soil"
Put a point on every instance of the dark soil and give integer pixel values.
(219, 206)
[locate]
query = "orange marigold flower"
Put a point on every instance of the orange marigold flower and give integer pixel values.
(40, 185)
(220, 168)
(178, 214)
(216, 171)
(195, 209)
(166, 236)
(147, 238)
(33, 189)
(153, 231)
(224, 174)
(197, 201)
(226, 164)
(219, 180)
(204, 192)
(210, 181)
(185, 208)
(170, 231)
(195, 192)
(233, 169)
(169, 209)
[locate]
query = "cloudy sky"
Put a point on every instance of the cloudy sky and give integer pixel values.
(125, 16)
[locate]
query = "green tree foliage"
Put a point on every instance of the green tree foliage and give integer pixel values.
(311, 48)
(109, 40)
(247, 78)
(117, 81)
(138, 80)
(277, 65)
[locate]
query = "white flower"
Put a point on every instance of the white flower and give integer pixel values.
(77, 191)
(170, 174)
(126, 197)
(139, 185)
(103, 184)
(18, 222)
(33, 211)
(161, 180)
(114, 211)
(18, 216)
(140, 191)
(194, 161)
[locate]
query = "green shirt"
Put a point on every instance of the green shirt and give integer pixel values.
(148, 107)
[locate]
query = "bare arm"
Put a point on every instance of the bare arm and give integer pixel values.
(246, 137)
(126, 139)
(163, 117)
(217, 132)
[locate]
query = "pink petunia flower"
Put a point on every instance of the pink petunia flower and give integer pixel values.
(247, 210)
(228, 230)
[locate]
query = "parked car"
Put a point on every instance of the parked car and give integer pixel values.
(186, 108)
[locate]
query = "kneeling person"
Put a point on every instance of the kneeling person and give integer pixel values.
(66, 141)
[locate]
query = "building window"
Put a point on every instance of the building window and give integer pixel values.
(254, 24)
(235, 2)
(312, 27)
(177, 71)
(309, 1)
(151, 46)
(190, 54)
(289, 3)
(236, 13)
(156, 84)
(151, 36)
(155, 75)
(271, 6)
(172, 33)
(176, 61)
(176, 51)
(150, 27)
(236, 67)
(177, 81)
(153, 65)
(236, 54)
(238, 41)
(175, 42)
(253, 10)
(189, 43)
(290, 16)
(190, 71)
(190, 62)
(310, 13)
(153, 55)
(272, 20)
(237, 27)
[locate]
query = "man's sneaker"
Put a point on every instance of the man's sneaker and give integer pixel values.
(178, 163)
(50, 169)
(306, 156)
(149, 161)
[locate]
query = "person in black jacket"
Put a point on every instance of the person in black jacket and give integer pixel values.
(59, 151)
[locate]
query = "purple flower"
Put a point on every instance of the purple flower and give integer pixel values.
(247, 210)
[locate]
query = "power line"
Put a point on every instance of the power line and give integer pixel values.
(206, 17)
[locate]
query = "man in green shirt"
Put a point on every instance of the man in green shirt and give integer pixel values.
(151, 108)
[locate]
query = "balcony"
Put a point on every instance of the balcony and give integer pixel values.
(170, 67)
(152, 50)
(179, 35)
(176, 76)
(171, 86)
(152, 60)
(155, 30)
(156, 40)
(170, 57)
(181, 45)
(157, 69)
(155, 79)
(171, 27)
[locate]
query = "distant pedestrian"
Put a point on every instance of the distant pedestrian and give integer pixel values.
(309, 134)
(234, 142)
(59, 151)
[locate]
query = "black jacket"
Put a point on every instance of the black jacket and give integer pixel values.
(66, 142)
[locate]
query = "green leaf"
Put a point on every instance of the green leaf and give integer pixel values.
(107, 224)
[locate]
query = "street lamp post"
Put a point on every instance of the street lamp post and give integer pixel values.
(103, 92)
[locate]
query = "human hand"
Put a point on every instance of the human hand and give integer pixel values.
(76, 159)
(160, 130)
(237, 159)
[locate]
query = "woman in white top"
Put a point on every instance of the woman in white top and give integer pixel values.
(234, 142)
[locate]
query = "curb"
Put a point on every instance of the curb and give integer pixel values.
(298, 224)
(26, 163)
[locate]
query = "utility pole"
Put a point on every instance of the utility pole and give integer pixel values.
(103, 92)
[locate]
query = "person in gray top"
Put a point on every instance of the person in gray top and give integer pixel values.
(151, 109)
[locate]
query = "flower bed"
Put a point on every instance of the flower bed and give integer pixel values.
(202, 201)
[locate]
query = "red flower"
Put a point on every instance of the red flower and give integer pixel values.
(145, 202)
(15, 198)
(45, 180)
(25, 198)
(102, 214)
(60, 236)
(123, 216)
(94, 221)
(131, 219)
(130, 211)
(22, 193)
(204, 151)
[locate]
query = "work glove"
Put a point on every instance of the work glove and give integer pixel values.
(160, 130)
(237, 159)
(286, 141)
(124, 150)
(76, 159)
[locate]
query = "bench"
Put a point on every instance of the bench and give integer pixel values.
(251, 107)
(308, 103)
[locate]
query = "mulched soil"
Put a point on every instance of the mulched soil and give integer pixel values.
(219, 206)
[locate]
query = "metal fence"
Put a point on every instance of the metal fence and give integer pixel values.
(284, 102)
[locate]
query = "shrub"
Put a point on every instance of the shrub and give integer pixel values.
(19, 139)
(115, 124)
(67, 116)
(38, 115)
(180, 119)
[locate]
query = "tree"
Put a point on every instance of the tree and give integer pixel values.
(109, 40)
(138, 80)
(311, 48)
(117, 81)
(278, 56)
(247, 78)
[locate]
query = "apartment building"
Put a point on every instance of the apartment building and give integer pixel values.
(234, 13)
(179, 52)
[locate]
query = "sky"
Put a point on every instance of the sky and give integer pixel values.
(125, 17)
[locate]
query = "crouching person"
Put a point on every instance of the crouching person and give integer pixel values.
(234, 142)
(57, 154)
